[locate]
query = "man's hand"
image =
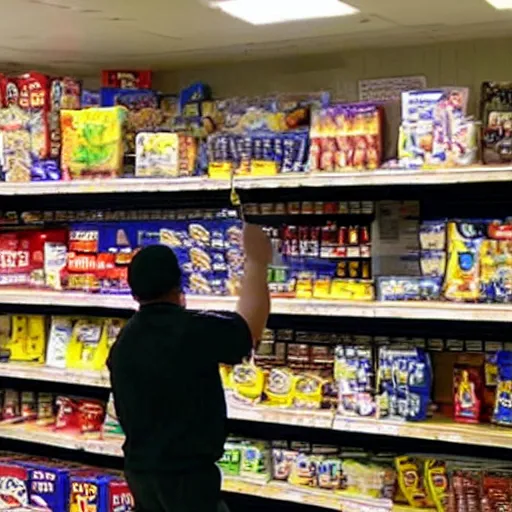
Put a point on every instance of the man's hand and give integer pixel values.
(257, 245)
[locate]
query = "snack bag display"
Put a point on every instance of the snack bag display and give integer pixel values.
(247, 382)
(91, 490)
(165, 155)
(92, 145)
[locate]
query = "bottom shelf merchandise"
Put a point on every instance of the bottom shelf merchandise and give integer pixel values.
(41, 484)
(316, 475)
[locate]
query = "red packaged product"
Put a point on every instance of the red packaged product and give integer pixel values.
(91, 415)
(67, 414)
(34, 96)
(14, 487)
(15, 265)
(124, 79)
(468, 384)
(120, 497)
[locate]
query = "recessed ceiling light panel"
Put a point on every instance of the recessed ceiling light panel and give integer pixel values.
(501, 4)
(266, 12)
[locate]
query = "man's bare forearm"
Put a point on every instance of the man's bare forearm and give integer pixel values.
(254, 301)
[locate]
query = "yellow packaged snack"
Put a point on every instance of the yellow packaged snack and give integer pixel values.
(462, 281)
(247, 382)
(88, 347)
(308, 392)
(27, 339)
(410, 483)
(92, 143)
(436, 483)
(280, 387)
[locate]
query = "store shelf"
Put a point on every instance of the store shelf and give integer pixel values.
(341, 179)
(111, 446)
(30, 371)
(439, 429)
(401, 310)
(299, 418)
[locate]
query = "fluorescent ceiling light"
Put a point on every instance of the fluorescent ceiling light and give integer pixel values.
(265, 12)
(501, 4)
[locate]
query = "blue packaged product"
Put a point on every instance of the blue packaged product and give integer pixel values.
(90, 98)
(45, 170)
(398, 288)
(132, 99)
(48, 485)
(404, 383)
(503, 406)
(194, 93)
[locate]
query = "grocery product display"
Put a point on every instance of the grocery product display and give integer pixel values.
(396, 260)
(54, 129)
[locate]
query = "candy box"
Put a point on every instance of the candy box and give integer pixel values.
(92, 144)
(283, 461)
(165, 155)
(48, 484)
(121, 79)
(93, 491)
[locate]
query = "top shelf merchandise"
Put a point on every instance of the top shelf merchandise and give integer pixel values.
(53, 130)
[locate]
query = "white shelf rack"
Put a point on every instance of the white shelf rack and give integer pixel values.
(334, 308)
(384, 177)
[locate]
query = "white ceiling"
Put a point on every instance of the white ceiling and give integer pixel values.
(85, 35)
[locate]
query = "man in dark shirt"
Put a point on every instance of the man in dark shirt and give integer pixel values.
(165, 378)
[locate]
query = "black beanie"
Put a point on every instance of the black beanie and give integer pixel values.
(154, 272)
